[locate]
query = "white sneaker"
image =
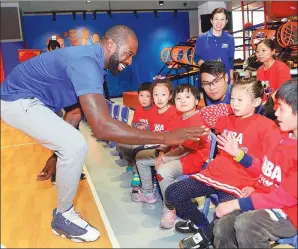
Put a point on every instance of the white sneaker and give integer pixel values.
(70, 225)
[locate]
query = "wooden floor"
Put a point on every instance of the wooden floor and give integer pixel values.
(27, 205)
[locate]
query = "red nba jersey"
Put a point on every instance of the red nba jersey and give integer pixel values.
(193, 162)
(254, 134)
(161, 122)
(276, 75)
(144, 116)
(277, 184)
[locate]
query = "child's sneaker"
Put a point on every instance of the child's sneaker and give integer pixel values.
(136, 181)
(168, 218)
(186, 227)
(198, 240)
(128, 169)
(139, 196)
(70, 225)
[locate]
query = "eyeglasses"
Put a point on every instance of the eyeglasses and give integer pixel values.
(214, 82)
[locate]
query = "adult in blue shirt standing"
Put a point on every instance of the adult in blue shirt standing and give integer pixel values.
(217, 44)
(43, 85)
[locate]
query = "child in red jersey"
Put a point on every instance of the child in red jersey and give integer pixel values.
(162, 95)
(188, 158)
(272, 205)
(274, 72)
(224, 176)
(146, 110)
(143, 113)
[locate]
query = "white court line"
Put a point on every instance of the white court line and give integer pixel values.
(14, 145)
(102, 212)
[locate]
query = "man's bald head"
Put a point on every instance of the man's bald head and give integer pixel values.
(120, 44)
(119, 34)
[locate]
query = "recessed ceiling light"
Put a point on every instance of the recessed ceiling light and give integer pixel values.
(88, 1)
(160, 3)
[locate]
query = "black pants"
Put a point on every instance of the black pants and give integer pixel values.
(180, 195)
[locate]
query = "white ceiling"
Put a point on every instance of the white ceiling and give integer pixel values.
(64, 5)
(32, 6)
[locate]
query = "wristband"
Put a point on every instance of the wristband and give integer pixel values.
(240, 156)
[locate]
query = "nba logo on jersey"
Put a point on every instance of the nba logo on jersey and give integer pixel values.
(158, 127)
(271, 171)
(224, 45)
(232, 134)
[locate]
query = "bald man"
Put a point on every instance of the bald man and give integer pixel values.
(43, 85)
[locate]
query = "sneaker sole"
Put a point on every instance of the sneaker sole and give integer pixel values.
(165, 227)
(150, 202)
(186, 231)
(66, 236)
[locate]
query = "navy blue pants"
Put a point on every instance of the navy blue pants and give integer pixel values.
(181, 193)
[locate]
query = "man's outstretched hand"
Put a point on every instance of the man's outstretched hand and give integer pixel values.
(48, 170)
(179, 136)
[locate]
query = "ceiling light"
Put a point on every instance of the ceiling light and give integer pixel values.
(135, 13)
(109, 12)
(88, 1)
(175, 12)
(160, 3)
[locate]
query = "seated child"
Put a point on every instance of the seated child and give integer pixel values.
(270, 212)
(183, 159)
(162, 95)
(142, 114)
(224, 176)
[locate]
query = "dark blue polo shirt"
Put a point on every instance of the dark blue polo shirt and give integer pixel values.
(57, 78)
(211, 47)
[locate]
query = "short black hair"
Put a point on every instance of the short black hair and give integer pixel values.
(220, 10)
(53, 44)
(193, 90)
(213, 67)
(119, 34)
(145, 86)
(288, 93)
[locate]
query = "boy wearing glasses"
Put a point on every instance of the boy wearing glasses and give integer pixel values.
(214, 81)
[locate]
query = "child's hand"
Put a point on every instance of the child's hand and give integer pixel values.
(142, 127)
(227, 144)
(247, 191)
(226, 208)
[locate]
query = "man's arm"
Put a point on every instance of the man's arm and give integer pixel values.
(105, 127)
(198, 54)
